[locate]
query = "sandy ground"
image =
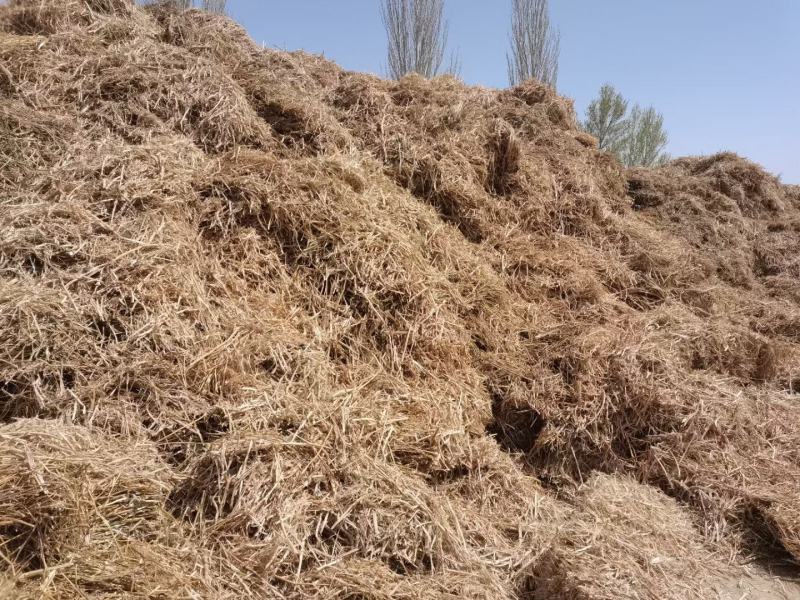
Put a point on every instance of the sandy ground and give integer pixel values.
(758, 583)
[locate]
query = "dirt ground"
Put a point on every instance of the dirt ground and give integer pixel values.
(757, 583)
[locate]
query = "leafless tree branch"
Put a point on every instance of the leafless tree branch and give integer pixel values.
(535, 45)
(215, 6)
(417, 36)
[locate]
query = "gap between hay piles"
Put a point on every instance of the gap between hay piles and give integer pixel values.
(273, 329)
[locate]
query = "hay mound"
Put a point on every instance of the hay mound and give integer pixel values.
(610, 550)
(272, 329)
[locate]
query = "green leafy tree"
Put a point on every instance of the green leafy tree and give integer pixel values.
(535, 44)
(646, 139)
(605, 119)
(636, 139)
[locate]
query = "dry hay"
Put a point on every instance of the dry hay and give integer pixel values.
(272, 329)
(624, 541)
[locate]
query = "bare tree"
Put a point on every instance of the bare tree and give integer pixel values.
(535, 44)
(215, 6)
(605, 119)
(417, 36)
(177, 4)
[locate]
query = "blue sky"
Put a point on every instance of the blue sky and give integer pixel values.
(725, 73)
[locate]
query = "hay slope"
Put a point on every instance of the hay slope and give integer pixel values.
(271, 329)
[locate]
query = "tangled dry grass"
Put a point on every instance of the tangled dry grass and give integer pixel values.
(271, 329)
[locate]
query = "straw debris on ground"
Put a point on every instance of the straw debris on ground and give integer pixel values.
(271, 329)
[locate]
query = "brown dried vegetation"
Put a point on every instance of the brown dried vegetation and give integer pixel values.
(271, 329)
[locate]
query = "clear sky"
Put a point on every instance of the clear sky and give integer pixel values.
(725, 73)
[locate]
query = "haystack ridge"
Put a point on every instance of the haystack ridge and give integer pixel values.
(270, 329)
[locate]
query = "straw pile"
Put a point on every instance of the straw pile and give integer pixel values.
(271, 329)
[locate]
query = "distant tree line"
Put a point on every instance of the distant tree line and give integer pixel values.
(417, 35)
(417, 32)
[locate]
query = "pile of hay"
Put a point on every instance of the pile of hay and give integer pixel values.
(271, 329)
